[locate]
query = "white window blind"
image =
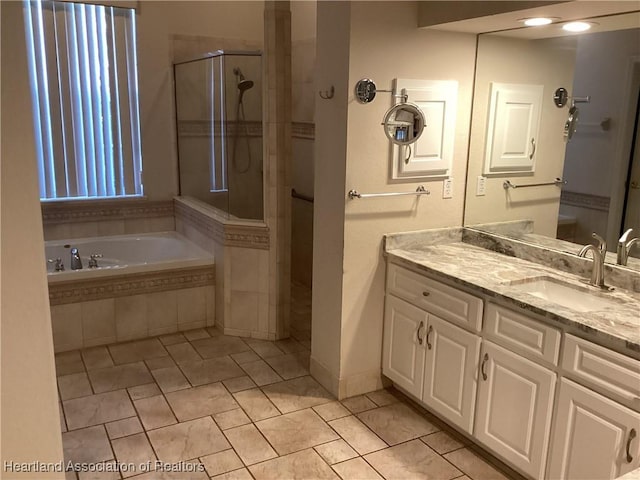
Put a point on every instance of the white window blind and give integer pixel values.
(85, 99)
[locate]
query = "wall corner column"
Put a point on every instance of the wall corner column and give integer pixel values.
(278, 153)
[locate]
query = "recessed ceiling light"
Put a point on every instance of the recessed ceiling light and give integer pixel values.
(577, 26)
(537, 21)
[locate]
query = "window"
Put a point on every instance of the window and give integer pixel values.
(84, 86)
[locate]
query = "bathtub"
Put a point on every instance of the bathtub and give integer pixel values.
(145, 285)
(125, 254)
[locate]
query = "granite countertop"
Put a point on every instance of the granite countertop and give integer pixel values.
(497, 275)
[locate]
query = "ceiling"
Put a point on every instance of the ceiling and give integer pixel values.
(509, 20)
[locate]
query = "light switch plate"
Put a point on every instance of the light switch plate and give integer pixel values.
(447, 188)
(481, 186)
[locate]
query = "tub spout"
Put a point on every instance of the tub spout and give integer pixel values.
(76, 261)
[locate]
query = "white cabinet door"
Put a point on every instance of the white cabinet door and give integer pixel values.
(403, 349)
(451, 372)
(594, 437)
(513, 415)
(432, 154)
(512, 131)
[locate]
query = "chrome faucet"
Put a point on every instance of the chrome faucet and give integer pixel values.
(624, 245)
(598, 253)
(58, 265)
(93, 261)
(76, 261)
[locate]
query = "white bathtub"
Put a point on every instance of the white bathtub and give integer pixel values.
(125, 254)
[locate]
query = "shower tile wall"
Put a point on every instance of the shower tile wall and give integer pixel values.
(188, 47)
(242, 267)
(277, 126)
(220, 132)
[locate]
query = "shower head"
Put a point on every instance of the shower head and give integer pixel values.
(243, 84)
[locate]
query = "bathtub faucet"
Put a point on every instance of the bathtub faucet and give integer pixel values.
(93, 261)
(58, 265)
(76, 261)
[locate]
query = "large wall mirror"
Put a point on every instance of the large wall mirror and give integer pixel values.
(600, 69)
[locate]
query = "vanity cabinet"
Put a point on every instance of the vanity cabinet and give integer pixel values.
(403, 354)
(450, 372)
(513, 414)
(493, 372)
(424, 353)
(594, 437)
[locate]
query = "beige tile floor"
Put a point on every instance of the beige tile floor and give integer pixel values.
(234, 408)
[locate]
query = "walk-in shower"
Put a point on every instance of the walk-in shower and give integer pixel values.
(219, 122)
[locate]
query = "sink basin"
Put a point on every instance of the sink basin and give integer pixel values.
(580, 299)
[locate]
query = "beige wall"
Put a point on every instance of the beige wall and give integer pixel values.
(30, 429)
(168, 30)
(509, 60)
(332, 68)
(382, 42)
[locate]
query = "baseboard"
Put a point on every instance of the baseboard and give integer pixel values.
(346, 387)
(324, 376)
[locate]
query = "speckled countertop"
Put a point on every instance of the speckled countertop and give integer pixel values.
(495, 275)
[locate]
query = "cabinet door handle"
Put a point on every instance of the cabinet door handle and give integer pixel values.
(484, 361)
(533, 148)
(418, 333)
(428, 335)
(632, 435)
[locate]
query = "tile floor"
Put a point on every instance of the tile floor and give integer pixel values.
(223, 407)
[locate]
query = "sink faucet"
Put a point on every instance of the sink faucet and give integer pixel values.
(598, 253)
(624, 245)
(76, 261)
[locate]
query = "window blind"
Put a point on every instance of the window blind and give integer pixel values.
(82, 61)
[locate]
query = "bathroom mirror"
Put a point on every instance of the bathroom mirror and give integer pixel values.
(598, 164)
(403, 123)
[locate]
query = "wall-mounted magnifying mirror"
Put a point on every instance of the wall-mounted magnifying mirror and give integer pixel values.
(403, 123)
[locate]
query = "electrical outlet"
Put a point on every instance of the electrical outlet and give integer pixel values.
(447, 188)
(481, 186)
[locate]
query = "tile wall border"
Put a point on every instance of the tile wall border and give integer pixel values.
(305, 130)
(203, 128)
(585, 200)
(132, 284)
(102, 210)
(219, 229)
